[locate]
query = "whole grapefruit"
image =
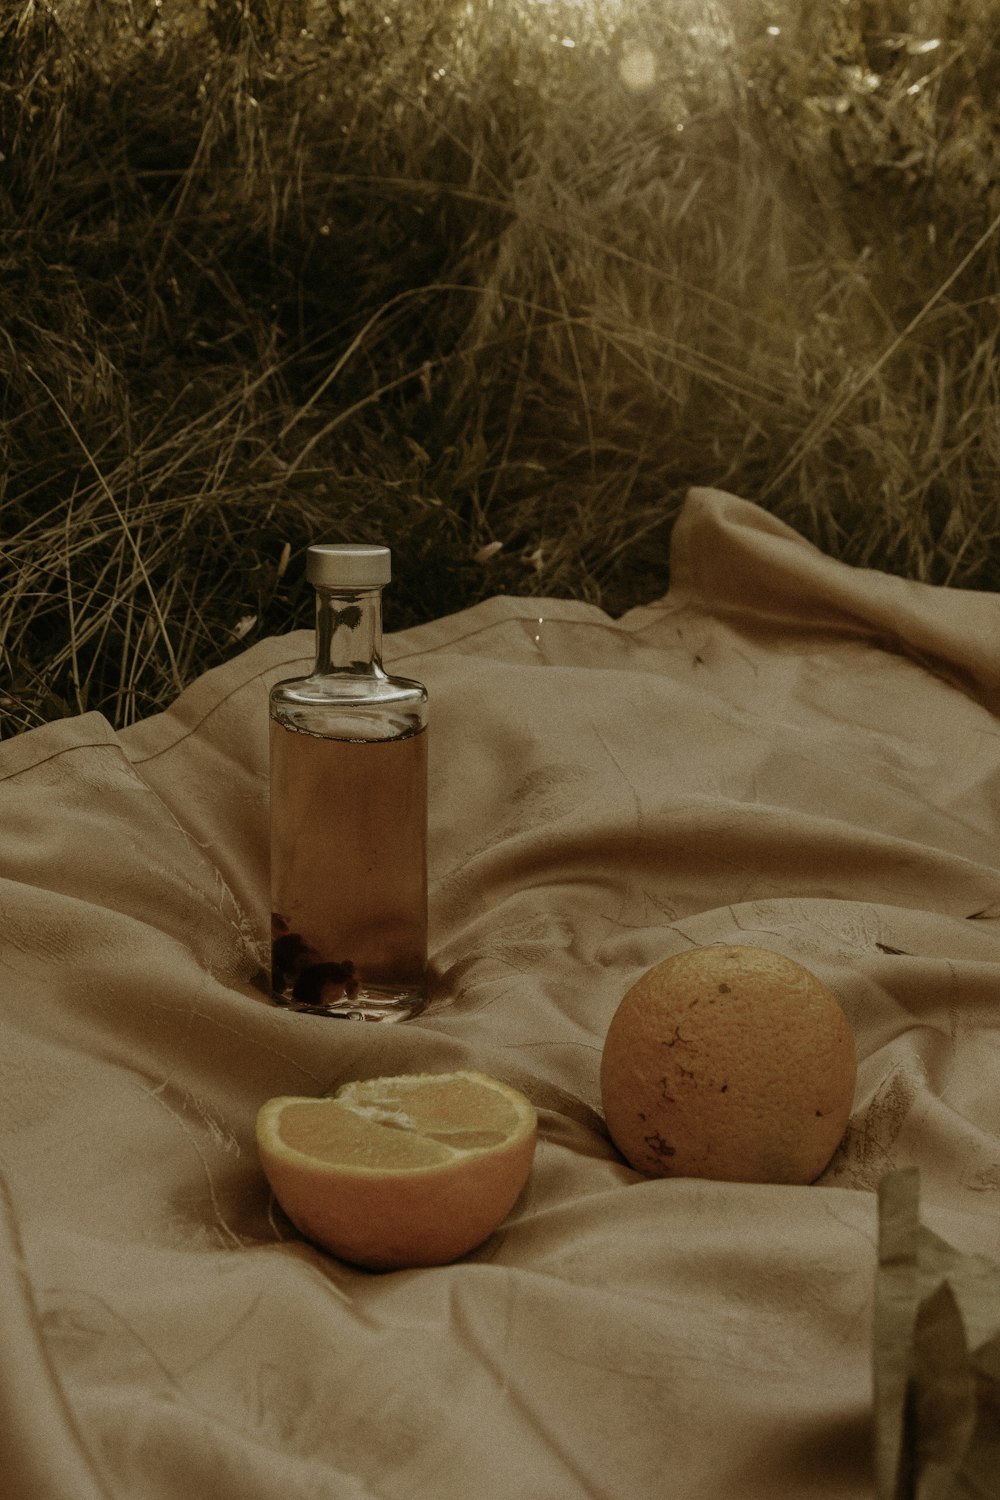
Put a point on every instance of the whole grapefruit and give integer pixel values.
(728, 1062)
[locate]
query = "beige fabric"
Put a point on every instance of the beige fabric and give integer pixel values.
(784, 751)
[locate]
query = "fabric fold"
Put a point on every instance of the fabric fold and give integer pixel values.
(43, 1451)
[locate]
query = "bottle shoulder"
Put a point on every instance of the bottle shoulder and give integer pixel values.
(349, 705)
(348, 687)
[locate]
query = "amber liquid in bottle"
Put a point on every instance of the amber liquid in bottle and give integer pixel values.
(348, 748)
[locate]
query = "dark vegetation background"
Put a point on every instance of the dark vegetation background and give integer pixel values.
(492, 282)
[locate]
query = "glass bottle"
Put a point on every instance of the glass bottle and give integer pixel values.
(348, 749)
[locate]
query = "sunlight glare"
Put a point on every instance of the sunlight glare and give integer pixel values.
(637, 69)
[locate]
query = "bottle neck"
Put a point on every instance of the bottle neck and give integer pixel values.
(349, 631)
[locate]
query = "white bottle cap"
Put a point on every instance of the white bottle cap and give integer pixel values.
(333, 566)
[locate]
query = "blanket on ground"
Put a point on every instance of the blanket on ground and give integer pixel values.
(783, 751)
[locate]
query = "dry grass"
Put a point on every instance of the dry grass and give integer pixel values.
(276, 269)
